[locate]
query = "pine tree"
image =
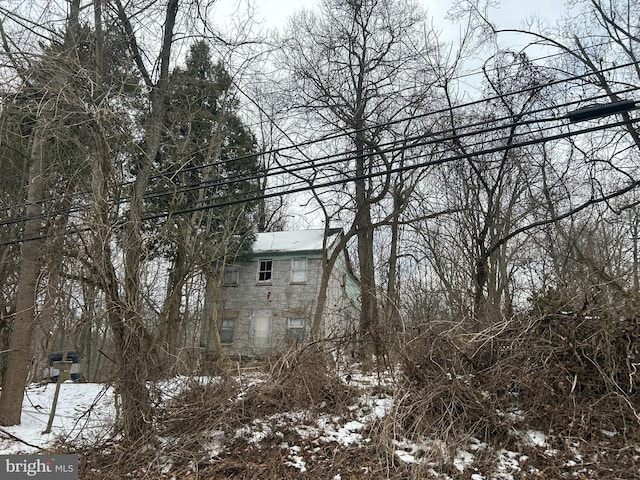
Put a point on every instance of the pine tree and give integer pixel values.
(208, 157)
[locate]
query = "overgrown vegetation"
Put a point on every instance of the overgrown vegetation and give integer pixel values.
(208, 410)
(571, 376)
(555, 395)
(496, 247)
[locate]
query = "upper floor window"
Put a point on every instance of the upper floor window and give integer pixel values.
(231, 275)
(265, 270)
(299, 270)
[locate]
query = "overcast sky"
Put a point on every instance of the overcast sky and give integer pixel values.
(508, 13)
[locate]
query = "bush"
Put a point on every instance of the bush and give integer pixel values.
(567, 375)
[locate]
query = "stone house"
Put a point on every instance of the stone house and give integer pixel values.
(269, 300)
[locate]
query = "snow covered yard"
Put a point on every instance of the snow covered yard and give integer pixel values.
(84, 414)
(261, 425)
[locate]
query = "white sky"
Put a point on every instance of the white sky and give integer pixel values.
(508, 12)
(273, 14)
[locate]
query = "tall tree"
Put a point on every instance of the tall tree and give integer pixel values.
(131, 337)
(13, 169)
(208, 156)
(355, 68)
(47, 109)
(15, 377)
(575, 176)
(598, 54)
(493, 191)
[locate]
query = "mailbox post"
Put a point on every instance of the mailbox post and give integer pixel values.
(63, 367)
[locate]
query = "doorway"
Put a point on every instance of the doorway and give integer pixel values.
(261, 330)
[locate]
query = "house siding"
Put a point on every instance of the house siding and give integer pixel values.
(278, 299)
(261, 310)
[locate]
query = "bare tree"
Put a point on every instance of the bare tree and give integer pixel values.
(53, 108)
(599, 57)
(489, 194)
(355, 69)
(15, 377)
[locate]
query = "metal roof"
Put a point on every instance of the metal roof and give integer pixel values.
(290, 241)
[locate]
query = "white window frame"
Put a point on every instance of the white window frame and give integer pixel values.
(296, 333)
(300, 269)
(265, 272)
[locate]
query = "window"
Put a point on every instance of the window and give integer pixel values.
(226, 330)
(298, 270)
(230, 276)
(264, 271)
(295, 329)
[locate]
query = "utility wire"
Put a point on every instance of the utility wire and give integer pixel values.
(403, 144)
(332, 160)
(399, 169)
(341, 181)
(320, 161)
(446, 109)
(325, 161)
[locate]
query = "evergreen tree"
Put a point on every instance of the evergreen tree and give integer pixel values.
(208, 157)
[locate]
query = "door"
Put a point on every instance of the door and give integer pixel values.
(261, 330)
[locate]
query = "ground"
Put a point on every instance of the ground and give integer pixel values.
(263, 423)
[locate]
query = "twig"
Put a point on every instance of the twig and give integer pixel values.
(12, 436)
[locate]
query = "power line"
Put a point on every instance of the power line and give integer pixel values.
(460, 132)
(391, 147)
(329, 183)
(445, 109)
(326, 161)
(487, 151)
(313, 163)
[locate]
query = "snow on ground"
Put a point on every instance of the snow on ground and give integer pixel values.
(85, 413)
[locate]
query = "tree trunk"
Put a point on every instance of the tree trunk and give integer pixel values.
(85, 340)
(19, 357)
(210, 335)
(328, 262)
(636, 256)
(170, 317)
(364, 230)
(43, 340)
(392, 320)
(132, 341)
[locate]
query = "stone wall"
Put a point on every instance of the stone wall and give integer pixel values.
(256, 304)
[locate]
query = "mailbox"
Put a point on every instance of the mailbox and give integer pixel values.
(71, 366)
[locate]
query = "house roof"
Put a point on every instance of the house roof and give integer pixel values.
(290, 241)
